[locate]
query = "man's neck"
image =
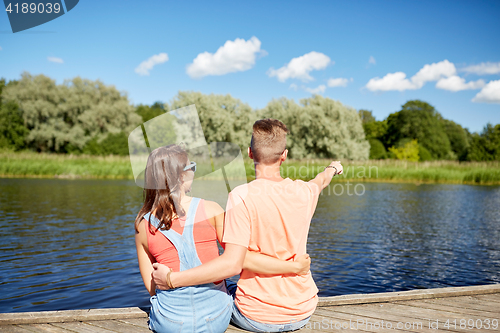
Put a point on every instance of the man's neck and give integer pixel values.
(269, 172)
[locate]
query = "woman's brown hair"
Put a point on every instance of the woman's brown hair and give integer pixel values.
(163, 179)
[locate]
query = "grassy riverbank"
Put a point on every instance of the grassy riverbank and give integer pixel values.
(29, 164)
(485, 173)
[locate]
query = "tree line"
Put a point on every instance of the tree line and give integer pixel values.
(419, 131)
(82, 116)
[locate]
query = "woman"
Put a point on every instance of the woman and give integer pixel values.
(182, 232)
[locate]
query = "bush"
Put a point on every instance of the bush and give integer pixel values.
(113, 144)
(377, 150)
(424, 154)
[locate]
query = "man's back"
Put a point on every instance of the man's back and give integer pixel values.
(273, 218)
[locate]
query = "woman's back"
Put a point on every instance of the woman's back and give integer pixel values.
(202, 308)
(204, 234)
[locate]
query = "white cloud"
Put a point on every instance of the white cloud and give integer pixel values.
(392, 81)
(489, 94)
(318, 90)
(433, 72)
(300, 67)
(456, 83)
(147, 65)
(55, 59)
(483, 68)
(293, 86)
(234, 56)
(372, 60)
(398, 80)
(339, 82)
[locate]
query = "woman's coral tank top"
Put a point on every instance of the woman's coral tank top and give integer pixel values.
(205, 239)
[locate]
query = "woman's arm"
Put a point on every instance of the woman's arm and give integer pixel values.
(257, 262)
(145, 259)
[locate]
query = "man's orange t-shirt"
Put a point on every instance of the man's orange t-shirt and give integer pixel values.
(273, 218)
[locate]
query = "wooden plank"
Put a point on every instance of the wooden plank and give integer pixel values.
(380, 312)
(346, 323)
(408, 295)
(490, 298)
(421, 314)
(46, 328)
(14, 329)
(81, 327)
(435, 305)
(142, 322)
(44, 317)
(488, 309)
(115, 325)
(479, 299)
(368, 319)
(234, 329)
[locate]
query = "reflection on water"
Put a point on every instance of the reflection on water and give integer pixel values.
(69, 244)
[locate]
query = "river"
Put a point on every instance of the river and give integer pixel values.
(69, 244)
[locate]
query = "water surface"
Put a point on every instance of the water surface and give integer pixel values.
(69, 244)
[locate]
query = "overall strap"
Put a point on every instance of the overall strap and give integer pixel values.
(184, 244)
(188, 232)
(177, 240)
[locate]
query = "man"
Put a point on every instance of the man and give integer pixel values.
(269, 215)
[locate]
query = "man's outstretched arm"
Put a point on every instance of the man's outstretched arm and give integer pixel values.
(324, 178)
(228, 264)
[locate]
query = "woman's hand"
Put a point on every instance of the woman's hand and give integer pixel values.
(303, 264)
(159, 275)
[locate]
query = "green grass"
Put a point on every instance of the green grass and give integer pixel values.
(30, 164)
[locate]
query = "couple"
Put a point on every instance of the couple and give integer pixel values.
(263, 232)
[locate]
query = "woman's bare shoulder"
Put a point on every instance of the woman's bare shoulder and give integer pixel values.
(213, 208)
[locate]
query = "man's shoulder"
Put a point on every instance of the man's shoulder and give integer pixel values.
(308, 187)
(240, 190)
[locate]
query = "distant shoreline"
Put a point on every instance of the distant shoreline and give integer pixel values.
(40, 165)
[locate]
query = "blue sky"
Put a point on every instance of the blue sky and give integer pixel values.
(366, 54)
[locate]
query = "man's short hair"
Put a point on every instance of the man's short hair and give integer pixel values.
(268, 140)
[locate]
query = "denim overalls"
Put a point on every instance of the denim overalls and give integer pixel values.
(201, 308)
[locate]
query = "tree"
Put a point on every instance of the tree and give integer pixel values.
(63, 118)
(419, 120)
(222, 117)
(149, 112)
(377, 150)
(458, 138)
(320, 127)
(485, 146)
(12, 129)
(408, 152)
(366, 116)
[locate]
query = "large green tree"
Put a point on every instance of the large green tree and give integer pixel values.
(222, 117)
(63, 118)
(419, 120)
(320, 127)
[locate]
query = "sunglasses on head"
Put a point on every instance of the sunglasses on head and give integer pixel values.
(191, 166)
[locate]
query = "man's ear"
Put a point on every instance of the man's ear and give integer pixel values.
(250, 154)
(284, 155)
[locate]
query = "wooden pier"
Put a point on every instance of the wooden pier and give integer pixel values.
(456, 309)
